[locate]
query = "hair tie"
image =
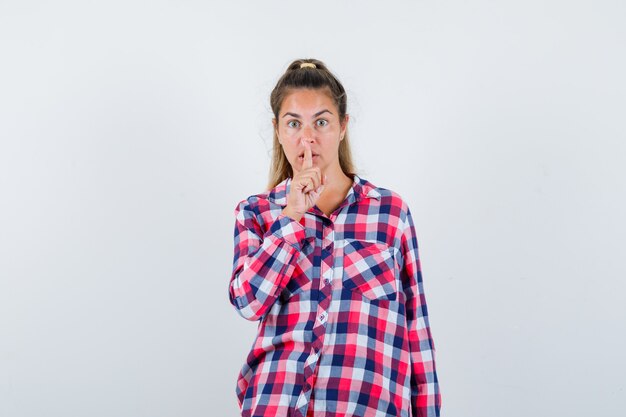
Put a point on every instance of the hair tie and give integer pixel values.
(307, 64)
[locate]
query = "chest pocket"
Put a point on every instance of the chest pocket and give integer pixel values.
(369, 269)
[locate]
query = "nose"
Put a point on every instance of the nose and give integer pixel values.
(307, 133)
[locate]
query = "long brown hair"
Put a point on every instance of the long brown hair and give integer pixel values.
(307, 77)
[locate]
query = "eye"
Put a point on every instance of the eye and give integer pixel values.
(291, 121)
(323, 120)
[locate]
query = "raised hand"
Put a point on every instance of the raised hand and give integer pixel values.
(306, 186)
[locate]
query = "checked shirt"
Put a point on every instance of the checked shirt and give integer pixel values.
(343, 323)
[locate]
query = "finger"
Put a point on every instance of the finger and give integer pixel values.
(310, 185)
(318, 175)
(314, 176)
(308, 155)
(305, 184)
(314, 184)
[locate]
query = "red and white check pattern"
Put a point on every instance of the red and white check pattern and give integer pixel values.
(343, 323)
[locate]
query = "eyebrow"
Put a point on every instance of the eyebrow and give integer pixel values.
(315, 115)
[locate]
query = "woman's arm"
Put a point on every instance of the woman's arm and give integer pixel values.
(425, 395)
(263, 262)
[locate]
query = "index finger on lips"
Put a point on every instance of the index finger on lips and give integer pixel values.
(308, 155)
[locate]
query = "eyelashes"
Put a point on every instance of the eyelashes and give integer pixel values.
(326, 123)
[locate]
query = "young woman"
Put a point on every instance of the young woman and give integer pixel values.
(328, 263)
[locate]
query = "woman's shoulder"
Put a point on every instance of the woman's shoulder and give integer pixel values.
(275, 197)
(387, 196)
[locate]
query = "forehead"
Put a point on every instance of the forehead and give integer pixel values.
(308, 100)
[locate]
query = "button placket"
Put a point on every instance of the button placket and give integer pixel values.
(323, 317)
(328, 263)
(327, 271)
(328, 248)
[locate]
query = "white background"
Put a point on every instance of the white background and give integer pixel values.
(129, 130)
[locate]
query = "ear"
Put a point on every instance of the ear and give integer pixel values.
(344, 126)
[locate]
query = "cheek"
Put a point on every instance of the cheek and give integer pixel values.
(289, 150)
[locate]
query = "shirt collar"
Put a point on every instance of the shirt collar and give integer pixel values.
(361, 188)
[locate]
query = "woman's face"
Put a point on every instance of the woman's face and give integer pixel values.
(310, 114)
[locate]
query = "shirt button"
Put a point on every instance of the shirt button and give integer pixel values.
(323, 317)
(327, 281)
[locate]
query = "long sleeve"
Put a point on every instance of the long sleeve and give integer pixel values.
(425, 394)
(263, 262)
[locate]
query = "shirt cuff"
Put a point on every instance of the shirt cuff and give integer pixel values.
(288, 229)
